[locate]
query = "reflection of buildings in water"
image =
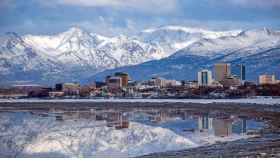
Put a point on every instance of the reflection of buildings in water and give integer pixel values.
(240, 126)
(159, 117)
(113, 119)
(117, 119)
(222, 127)
(244, 126)
(205, 123)
(153, 115)
(185, 115)
(75, 115)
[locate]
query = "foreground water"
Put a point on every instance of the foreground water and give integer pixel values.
(100, 132)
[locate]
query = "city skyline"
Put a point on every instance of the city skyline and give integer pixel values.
(139, 78)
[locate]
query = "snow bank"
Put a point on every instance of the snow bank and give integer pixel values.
(265, 101)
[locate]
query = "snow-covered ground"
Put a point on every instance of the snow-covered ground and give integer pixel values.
(265, 101)
(24, 135)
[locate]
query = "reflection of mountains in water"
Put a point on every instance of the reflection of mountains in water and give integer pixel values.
(219, 124)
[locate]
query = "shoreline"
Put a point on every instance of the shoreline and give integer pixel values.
(263, 101)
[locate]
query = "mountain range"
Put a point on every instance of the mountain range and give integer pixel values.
(258, 50)
(168, 51)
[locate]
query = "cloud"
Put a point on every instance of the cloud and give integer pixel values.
(144, 5)
(97, 26)
(5, 3)
(256, 3)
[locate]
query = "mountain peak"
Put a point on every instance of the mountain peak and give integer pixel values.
(268, 31)
(12, 34)
(76, 31)
(260, 32)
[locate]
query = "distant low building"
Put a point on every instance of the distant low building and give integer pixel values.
(114, 82)
(71, 88)
(249, 83)
(216, 84)
(267, 79)
(32, 90)
(161, 82)
(56, 94)
(12, 93)
(191, 84)
(230, 82)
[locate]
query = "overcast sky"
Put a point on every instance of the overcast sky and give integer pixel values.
(113, 17)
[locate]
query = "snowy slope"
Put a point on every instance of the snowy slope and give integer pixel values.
(258, 49)
(173, 38)
(19, 59)
(77, 55)
(244, 44)
(79, 47)
(70, 55)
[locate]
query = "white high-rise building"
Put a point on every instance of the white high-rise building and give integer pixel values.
(205, 78)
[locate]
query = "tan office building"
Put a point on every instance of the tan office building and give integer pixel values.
(124, 77)
(222, 71)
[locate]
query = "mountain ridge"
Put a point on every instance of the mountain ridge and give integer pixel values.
(78, 55)
(257, 49)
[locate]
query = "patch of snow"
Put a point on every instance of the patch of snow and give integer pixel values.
(264, 101)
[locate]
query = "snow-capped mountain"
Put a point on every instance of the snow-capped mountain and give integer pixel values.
(173, 38)
(179, 52)
(244, 44)
(70, 55)
(77, 47)
(258, 49)
(19, 60)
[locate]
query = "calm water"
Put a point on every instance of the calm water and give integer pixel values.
(116, 133)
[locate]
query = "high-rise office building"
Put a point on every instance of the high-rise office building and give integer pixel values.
(124, 77)
(205, 78)
(239, 71)
(222, 71)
